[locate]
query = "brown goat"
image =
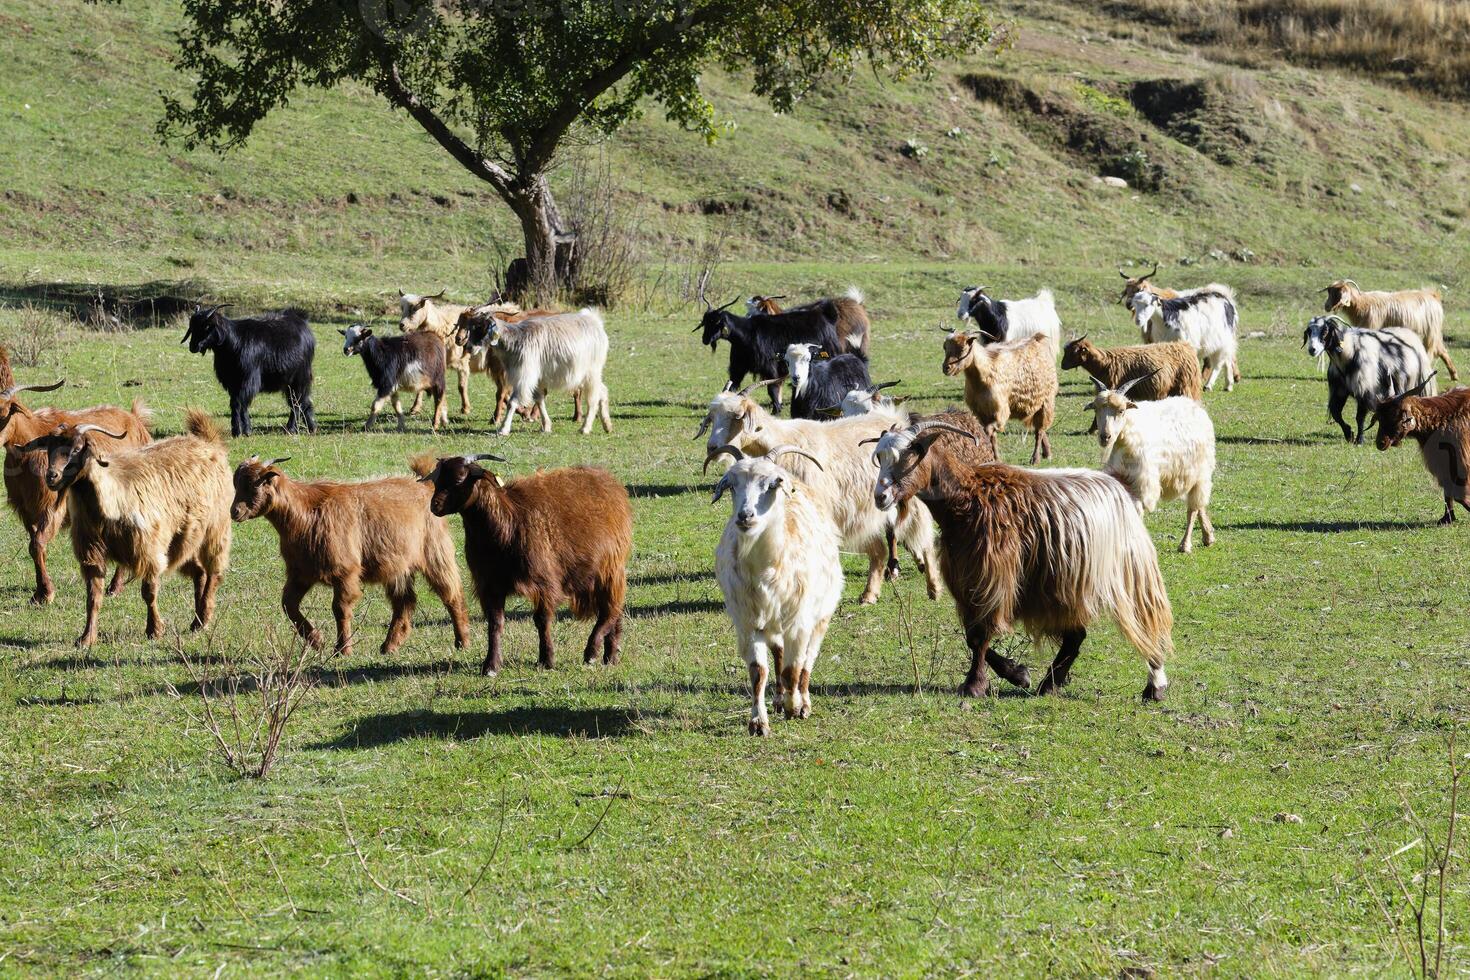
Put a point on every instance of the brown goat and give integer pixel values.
(348, 534)
(1018, 378)
(7, 380)
(161, 507)
(1441, 426)
(1168, 370)
(1049, 550)
(561, 536)
(1418, 310)
(42, 511)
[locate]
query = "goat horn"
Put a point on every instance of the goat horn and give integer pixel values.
(1122, 273)
(1420, 386)
(438, 295)
(1126, 386)
(277, 460)
(732, 302)
(782, 450)
(745, 392)
(874, 389)
(947, 329)
(932, 426)
(479, 457)
(714, 454)
(14, 390)
(704, 426)
(86, 427)
(831, 411)
(1153, 272)
(864, 442)
(772, 299)
(1349, 282)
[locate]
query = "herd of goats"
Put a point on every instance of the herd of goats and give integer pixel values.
(1048, 550)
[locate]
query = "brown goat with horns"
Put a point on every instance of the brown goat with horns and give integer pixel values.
(561, 536)
(347, 534)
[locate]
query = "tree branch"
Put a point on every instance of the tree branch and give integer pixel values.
(399, 94)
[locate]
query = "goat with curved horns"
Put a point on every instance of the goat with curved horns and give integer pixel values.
(780, 570)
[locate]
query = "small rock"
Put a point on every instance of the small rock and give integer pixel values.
(1227, 834)
(1217, 255)
(1355, 188)
(1284, 817)
(1115, 182)
(1255, 335)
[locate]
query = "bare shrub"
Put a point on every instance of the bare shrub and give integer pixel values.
(246, 698)
(607, 260)
(35, 333)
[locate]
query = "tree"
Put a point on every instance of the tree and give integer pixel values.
(502, 84)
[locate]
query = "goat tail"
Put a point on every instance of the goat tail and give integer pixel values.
(855, 294)
(141, 412)
(1046, 297)
(201, 425)
(422, 464)
(1142, 608)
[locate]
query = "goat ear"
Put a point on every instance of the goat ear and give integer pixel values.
(101, 460)
(1131, 405)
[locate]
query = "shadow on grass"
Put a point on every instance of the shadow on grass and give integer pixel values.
(661, 489)
(1326, 527)
(674, 607)
(137, 304)
(1317, 440)
(669, 578)
(386, 729)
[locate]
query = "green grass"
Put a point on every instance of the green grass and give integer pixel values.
(1321, 657)
(620, 821)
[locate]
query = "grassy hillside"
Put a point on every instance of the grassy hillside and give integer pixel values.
(338, 190)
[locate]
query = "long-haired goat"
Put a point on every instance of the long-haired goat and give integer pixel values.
(161, 507)
(818, 382)
(853, 326)
(758, 342)
(559, 536)
(1017, 378)
(487, 358)
(1420, 311)
(1049, 550)
(1441, 426)
(1133, 285)
(780, 570)
(347, 534)
(1011, 319)
(267, 352)
(861, 401)
(843, 485)
(413, 362)
(42, 511)
(1370, 366)
(1166, 370)
(1159, 450)
(562, 352)
(1206, 319)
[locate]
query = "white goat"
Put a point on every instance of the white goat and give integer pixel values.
(561, 352)
(861, 401)
(1011, 319)
(1159, 450)
(843, 486)
(1204, 318)
(779, 568)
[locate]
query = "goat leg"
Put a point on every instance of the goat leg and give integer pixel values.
(495, 620)
(44, 589)
(977, 684)
(1010, 670)
(150, 600)
(93, 575)
(891, 571)
(1057, 673)
(544, 615)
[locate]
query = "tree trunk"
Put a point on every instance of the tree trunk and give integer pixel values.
(549, 260)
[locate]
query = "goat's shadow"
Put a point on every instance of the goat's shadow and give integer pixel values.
(662, 489)
(674, 607)
(373, 731)
(1317, 439)
(1326, 527)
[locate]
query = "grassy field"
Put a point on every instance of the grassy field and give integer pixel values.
(621, 821)
(424, 820)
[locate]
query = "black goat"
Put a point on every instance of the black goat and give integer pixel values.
(269, 352)
(819, 382)
(758, 343)
(413, 362)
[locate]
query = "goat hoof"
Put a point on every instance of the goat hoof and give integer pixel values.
(1185, 547)
(868, 599)
(932, 590)
(611, 660)
(42, 598)
(1446, 520)
(85, 641)
(759, 726)
(891, 571)
(314, 640)
(1151, 693)
(973, 689)
(1021, 678)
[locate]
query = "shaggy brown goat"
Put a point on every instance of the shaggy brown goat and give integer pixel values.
(1418, 310)
(561, 536)
(42, 511)
(348, 534)
(1018, 379)
(1049, 550)
(162, 507)
(1441, 426)
(1168, 369)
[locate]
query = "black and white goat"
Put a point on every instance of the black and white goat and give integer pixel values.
(1206, 319)
(413, 362)
(268, 352)
(758, 343)
(1371, 366)
(818, 382)
(1011, 319)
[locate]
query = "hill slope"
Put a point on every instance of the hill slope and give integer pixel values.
(1290, 165)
